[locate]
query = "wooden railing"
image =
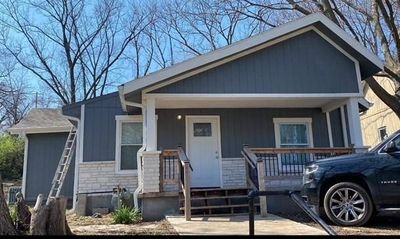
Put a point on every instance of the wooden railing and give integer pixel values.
(291, 161)
(176, 169)
(269, 162)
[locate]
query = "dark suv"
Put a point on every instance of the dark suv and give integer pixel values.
(350, 189)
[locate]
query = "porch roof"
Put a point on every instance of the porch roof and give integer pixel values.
(369, 63)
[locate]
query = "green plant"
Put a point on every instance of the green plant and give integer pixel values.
(13, 213)
(126, 215)
(11, 157)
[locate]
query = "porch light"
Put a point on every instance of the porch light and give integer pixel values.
(179, 117)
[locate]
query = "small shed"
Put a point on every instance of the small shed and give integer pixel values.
(45, 132)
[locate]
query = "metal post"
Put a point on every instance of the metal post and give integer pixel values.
(251, 196)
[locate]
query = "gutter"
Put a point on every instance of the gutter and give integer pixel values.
(78, 155)
(139, 154)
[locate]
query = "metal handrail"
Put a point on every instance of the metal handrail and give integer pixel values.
(297, 199)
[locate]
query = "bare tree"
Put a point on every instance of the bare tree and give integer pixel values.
(375, 24)
(71, 46)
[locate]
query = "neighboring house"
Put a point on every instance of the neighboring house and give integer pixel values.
(294, 86)
(379, 121)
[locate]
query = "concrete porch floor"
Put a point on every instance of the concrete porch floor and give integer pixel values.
(239, 225)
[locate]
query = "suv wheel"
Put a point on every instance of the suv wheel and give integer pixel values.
(348, 204)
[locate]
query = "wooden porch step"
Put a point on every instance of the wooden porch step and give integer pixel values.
(219, 206)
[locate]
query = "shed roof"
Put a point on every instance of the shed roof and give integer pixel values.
(42, 120)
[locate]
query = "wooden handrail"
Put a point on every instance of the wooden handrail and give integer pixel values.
(250, 155)
(183, 158)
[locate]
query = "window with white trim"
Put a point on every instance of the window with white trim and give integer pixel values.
(129, 139)
(293, 133)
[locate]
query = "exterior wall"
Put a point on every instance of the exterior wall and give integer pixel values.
(44, 153)
(101, 176)
(303, 64)
(100, 128)
(241, 126)
(233, 173)
(336, 124)
(379, 115)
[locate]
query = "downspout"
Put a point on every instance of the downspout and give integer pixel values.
(78, 153)
(139, 154)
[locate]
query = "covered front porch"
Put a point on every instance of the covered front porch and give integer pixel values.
(262, 142)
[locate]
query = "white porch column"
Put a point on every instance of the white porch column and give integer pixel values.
(354, 123)
(151, 126)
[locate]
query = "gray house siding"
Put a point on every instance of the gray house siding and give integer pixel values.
(254, 127)
(304, 64)
(336, 124)
(44, 152)
(100, 128)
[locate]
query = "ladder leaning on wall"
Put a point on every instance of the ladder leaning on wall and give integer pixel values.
(63, 165)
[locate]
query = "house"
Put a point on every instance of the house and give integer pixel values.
(379, 121)
(291, 94)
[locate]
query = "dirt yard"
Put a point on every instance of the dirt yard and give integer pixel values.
(387, 223)
(103, 226)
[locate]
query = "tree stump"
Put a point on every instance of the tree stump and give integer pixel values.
(6, 224)
(50, 219)
(23, 214)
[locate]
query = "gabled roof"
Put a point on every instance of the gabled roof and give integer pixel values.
(43, 120)
(366, 58)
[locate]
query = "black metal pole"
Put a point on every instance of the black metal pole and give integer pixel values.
(251, 216)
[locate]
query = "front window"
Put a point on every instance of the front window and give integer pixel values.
(128, 141)
(293, 133)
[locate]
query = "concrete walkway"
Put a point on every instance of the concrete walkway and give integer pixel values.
(239, 225)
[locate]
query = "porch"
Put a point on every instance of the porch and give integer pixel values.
(261, 168)
(212, 171)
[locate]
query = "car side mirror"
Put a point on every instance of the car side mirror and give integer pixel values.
(390, 148)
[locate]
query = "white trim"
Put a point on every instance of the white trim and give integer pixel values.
(151, 121)
(291, 120)
(353, 117)
(78, 152)
(329, 127)
(344, 127)
(332, 105)
(218, 118)
(43, 130)
(119, 120)
(251, 96)
(25, 167)
(247, 44)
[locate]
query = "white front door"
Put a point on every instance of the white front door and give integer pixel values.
(203, 150)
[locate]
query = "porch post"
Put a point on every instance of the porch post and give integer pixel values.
(354, 123)
(261, 186)
(151, 127)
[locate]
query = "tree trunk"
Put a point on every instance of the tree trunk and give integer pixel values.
(6, 224)
(387, 98)
(23, 214)
(50, 219)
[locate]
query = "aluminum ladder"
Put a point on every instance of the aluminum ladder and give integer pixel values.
(63, 165)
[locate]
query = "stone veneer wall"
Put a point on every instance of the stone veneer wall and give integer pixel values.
(101, 176)
(233, 173)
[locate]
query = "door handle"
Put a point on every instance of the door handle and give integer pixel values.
(216, 154)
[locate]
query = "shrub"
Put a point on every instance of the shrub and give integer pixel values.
(13, 213)
(11, 157)
(126, 215)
